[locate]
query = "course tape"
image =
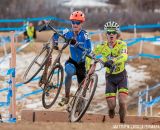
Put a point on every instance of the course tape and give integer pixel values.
(29, 20)
(34, 19)
(35, 92)
(132, 41)
(145, 26)
(122, 28)
(9, 89)
(153, 102)
(5, 104)
(8, 72)
(10, 120)
(12, 29)
(17, 50)
(19, 84)
(149, 89)
(145, 55)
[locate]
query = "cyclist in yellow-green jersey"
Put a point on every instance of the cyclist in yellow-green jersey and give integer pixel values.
(114, 53)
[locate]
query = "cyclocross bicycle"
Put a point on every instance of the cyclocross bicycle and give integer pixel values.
(86, 90)
(53, 79)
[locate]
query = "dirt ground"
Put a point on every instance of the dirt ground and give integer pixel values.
(75, 126)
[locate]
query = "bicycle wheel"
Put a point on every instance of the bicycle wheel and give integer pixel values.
(53, 86)
(37, 64)
(83, 99)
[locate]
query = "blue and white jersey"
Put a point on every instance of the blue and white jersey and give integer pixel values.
(82, 39)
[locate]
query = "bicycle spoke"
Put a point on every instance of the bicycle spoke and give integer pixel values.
(37, 63)
(54, 84)
(83, 98)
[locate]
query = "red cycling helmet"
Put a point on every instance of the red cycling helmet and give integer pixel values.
(77, 15)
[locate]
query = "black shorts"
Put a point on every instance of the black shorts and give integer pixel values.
(116, 82)
(80, 69)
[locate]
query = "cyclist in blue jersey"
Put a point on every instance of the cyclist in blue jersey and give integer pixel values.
(75, 65)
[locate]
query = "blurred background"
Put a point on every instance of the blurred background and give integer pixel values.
(143, 40)
(125, 12)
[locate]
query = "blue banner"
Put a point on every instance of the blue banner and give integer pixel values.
(149, 89)
(149, 56)
(132, 41)
(146, 26)
(33, 19)
(122, 28)
(154, 101)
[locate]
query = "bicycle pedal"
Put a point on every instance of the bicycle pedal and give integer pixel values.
(68, 109)
(47, 94)
(55, 87)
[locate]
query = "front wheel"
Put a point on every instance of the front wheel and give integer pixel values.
(83, 98)
(53, 86)
(37, 64)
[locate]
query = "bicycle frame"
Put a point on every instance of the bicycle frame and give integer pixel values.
(90, 72)
(57, 60)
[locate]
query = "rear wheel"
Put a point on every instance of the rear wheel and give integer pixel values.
(53, 86)
(83, 98)
(37, 64)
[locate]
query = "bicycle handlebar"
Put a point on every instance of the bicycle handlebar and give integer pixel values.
(94, 58)
(89, 55)
(48, 24)
(43, 27)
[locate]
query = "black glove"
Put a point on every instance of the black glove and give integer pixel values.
(108, 64)
(56, 47)
(72, 41)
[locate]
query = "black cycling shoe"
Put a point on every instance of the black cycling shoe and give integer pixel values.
(63, 101)
(111, 113)
(122, 120)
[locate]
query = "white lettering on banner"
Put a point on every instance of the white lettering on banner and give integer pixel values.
(136, 126)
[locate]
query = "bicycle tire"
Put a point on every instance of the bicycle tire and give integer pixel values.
(27, 79)
(45, 91)
(72, 113)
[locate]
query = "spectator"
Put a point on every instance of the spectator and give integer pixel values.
(30, 33)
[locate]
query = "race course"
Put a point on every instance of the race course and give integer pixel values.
(50, 120)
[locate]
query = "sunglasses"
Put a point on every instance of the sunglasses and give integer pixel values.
(76, 22)
(113, 32)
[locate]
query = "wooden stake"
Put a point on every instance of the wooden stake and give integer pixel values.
(13, 65)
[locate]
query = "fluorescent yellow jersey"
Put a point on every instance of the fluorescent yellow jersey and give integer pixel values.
(30, 31)
(118, 54)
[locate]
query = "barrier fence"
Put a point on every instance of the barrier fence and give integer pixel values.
(145, 100)
(123, 28)
(11, 102)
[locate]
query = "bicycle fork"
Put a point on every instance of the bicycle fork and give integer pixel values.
(45, 72)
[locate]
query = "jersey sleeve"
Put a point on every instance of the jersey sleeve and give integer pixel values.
(87, 46)
(96, 51)
(87, 42)
(55, 36)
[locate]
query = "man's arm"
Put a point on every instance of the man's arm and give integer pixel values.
(96, 51)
